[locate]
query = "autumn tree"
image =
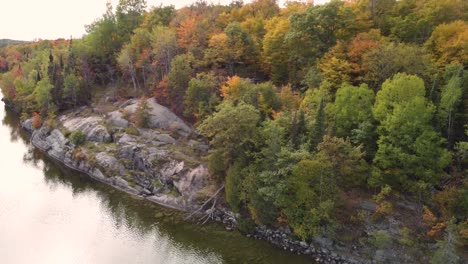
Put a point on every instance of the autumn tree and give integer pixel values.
(448, 43)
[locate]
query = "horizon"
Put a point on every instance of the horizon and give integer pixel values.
(67, 18)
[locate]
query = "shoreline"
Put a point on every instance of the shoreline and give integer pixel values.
(278, 238)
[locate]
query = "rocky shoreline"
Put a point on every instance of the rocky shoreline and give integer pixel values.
(152, 166)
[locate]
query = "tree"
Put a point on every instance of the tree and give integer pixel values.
(232, 129)
(395, 91)
(409, 150)
(318, 129)
(446, 252)
(142, 113)
(316, 30)
(164, 48)
(448, 43)
(178, 79)
(347, 161)
(129, 15)
(71, 88)
(201, 96)
(353, 115)
(231, 48)
(310, 212)
(42, 92)
(449, 102)
(126, 61)
(382, 62)
(275, 50)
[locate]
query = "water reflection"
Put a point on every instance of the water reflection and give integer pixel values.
(63, 216)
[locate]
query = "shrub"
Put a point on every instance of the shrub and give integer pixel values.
(246, 226)
(77, 137)
(132, 131)
(36, 121)
(141, 116)
(380, 239)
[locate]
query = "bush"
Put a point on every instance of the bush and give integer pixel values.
(142, 116)
(380, 239)
(132, 131)
(246, 226)
(36, 120)
(77, 137)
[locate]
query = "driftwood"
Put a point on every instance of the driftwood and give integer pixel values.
(210, 214)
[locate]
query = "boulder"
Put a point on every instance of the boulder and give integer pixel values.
(126, 139)
(368, 206)
(109, 163)
(91, 126)
(161, 117)
(116, 119)
(165, 138)
(189, 183)
(58, 143)
(27, 124)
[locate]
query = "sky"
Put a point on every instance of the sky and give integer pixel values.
(52, 19)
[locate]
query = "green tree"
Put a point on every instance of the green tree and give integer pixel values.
(318, 129)
(409, 150)
(353, 115)
(179, 77)
(310, 212)
(396, 91)
(232, 129)
(449, 103)
(200, 99)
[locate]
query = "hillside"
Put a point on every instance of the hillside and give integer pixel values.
(6, 42)
(343, 125)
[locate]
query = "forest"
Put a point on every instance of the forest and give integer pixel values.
(309, 109)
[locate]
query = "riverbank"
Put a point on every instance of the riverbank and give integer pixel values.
(59, 215)
(103, 159)
(162, 165)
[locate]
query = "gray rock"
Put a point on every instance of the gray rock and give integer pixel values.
(58, 143)
(116, 119)
(368, 206)
(161, 117)
(127, 139)
(38, 139)
(96, 173)
(192, 181)
(165, 138)
(323, 242)
(109, 163)
(27, 124)
(91, 126)
(121, 182)
(303, 244)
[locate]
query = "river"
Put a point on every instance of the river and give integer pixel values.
(50, 214)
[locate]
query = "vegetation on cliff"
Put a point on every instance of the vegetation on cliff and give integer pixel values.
(312, 111)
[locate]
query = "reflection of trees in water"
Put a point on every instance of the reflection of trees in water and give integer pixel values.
(11, 120)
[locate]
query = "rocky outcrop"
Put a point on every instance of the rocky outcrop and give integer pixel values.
(161, 117)
(91, 126)
(110, 164)
(116, 119)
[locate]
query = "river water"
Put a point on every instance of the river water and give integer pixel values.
(50, 214)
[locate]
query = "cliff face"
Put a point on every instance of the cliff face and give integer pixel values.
(161, 163)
